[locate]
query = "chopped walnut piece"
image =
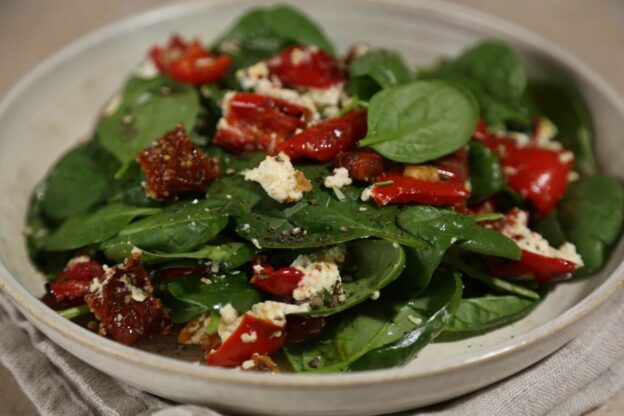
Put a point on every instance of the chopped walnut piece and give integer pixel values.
(174, 165)
(422, 172)
(261, 363)
(196, 332)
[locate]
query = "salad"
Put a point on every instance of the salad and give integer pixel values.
(275, 205)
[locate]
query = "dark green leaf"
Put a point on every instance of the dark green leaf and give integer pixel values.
(550, 228)
(149, 109)
(231, 288)
(383, 68)
(566, 109)
(591, 215)
(475, 316)
(377, 263)
(291, 24)
(93, 227)
(419, 121)
(486, 176)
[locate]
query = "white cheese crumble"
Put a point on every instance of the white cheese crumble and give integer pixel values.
(146, 70)
(256, 243)
(367, 193)
(249, 337)
(338, 179)
(414, 319)
(516, 228)
(137, 294)
(248, 364)
(78, 260)
(376, 295)
(279, 178)
(320, 273)
(229, 321)
(276, 311)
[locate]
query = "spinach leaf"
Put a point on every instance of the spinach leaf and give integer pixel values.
(494, 74)
(178, 311)
(376, 70)
(475, 316)
(319, 220)
(445, 227)
(377, 263)
(550, 228)
(178, 228)
(291, 24)
(566, 109)
(149, 109)
(217, 291)
(93, 227)
(419, 121)
(434, 308)
(486, 176)
(74, 184)
(228, 255)
(591, 215)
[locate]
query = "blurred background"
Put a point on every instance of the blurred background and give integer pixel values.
(30, 30)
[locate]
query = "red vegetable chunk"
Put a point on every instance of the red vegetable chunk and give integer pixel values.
(123, 302)
(323, 141)
(189, 62)
(363, 165)
(252, 336)
(306, 66)
(253, 122)
(281, 282)
(301, 328)
(542, 268)
(74, 281)
(174, 165)
(538, 174)
(405, 189)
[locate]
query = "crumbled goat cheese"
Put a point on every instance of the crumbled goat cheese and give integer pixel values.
(250, 76)
(248, 364)
(566, 157)
(78, 260)
(338, 179)
(256, 243)
(246, 227)
(206, 281)
(276, 311)
(515, 228)
(137, 294)
(320, 273)
(136, 252)
(199, 328)
(229, 321)
(545, 132)
(414, 319)
(249, 337)
(376, 294)
(146, 70)
(367, 193)
(279, 178)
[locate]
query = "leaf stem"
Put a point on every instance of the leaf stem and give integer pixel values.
(75, 312)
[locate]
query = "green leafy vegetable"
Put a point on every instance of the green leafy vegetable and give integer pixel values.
(486, 176)
(475, 316)
(566, 109)
(293, 25)
(149, 109)
(93, 227)
(214, 291)
(419, 121)
(376, 70)
(377, 264)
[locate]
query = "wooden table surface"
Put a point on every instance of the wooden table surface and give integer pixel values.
(30, 30)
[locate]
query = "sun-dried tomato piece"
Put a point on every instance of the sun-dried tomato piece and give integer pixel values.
(74, 281)
(363, 165)
(122, 300)
(306, 66)
(301, 328)
(174, 165)
(254, 122)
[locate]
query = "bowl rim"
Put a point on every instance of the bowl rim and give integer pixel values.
(450, 12)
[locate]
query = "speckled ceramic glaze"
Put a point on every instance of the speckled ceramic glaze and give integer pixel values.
(56, 106)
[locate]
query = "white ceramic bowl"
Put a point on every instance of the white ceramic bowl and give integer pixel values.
(56, 105)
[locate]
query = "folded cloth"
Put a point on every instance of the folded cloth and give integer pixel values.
(579, 377)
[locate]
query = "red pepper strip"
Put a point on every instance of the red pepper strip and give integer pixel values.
(268, 339)
(279, 282)
(542, 268)
(306, 66)
(175, 272)
(75, 279)
(323, 141)
(539, 175)
(258, 122)
(300, 328)
(404, 190)
(189, 62)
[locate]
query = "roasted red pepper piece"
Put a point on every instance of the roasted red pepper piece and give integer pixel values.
(301, 328)
(122, 301)
(538, 174)
(306, 66)
(323, 141)
(174, 165)
(279, 282)
(405, 190)
(74, 281)
(542, 268)
(263, 337)
(254, 122)
(363, 165)
(189, 62)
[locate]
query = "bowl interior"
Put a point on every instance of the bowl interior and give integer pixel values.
(57, 105)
